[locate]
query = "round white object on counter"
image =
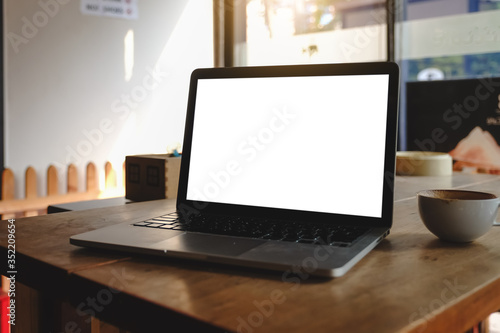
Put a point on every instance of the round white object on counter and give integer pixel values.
(423, 163)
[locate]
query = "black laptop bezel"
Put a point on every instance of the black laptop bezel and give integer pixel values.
(185, 206)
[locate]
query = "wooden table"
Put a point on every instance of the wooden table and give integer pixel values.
(411, 282)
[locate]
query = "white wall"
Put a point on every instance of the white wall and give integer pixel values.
(67, 99)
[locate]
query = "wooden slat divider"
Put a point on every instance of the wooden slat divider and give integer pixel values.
(92, 178)
(33, 204)
(8, 185)
(72, 179)
(40, 203)
(31, 191)
(52, 181)
(30, 184)
(8, 191)
(110, 176)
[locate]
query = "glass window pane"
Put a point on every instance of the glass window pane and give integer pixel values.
(459, 45)
(446, 50)
(309, 31)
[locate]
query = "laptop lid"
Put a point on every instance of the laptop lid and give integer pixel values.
(292, 142)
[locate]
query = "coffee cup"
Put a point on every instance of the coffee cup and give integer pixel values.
(456, 215)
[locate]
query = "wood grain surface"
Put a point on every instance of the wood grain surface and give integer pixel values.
(411, 282)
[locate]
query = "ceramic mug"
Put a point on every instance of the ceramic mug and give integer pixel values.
(456, 215)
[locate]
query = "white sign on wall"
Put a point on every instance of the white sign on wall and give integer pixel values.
(471, 33)
(126, 9)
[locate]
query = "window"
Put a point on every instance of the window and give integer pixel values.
(454, 42)
(153, 176)
(459, 38)
(134, 171)
(270, 32)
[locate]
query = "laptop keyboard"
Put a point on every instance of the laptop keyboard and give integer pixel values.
(298, 232)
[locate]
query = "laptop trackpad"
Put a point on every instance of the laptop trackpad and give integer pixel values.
(208, 244)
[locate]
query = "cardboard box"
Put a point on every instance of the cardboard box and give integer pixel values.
(151, 177)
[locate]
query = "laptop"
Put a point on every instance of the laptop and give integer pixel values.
(287, 168)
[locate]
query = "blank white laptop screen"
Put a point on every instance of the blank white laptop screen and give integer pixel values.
(302, 143)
